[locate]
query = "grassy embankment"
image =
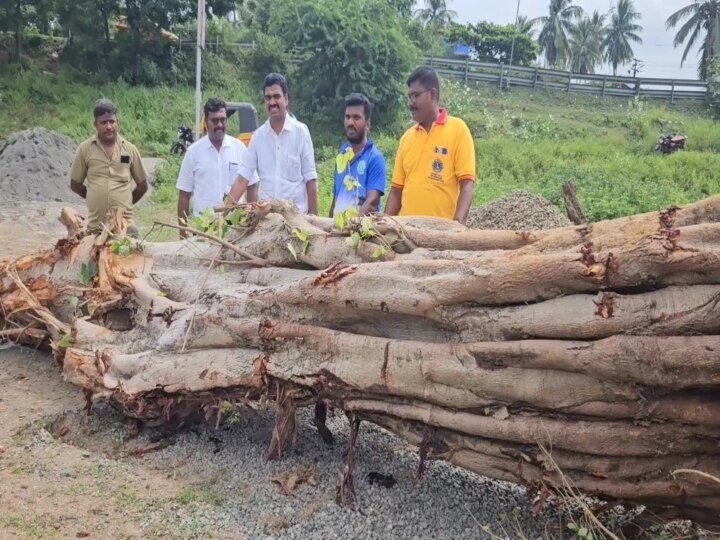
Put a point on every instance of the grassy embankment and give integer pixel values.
(527, 140)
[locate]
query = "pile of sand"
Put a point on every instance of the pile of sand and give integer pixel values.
(519, 211)
(34, 166)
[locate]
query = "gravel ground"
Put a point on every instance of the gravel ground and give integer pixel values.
(34, 166)
(231, 486)
(518, 210)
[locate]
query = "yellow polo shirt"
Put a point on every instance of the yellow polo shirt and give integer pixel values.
(430, 166)
(109, 180)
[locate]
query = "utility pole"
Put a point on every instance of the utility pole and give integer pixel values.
(198, 64)
(512, 45)
(637, 67)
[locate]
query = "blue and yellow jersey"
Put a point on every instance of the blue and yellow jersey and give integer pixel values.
(356, 175)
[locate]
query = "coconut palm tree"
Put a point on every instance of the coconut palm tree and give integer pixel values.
(701, 23)
(622, 29)
(586, 43)
(555, 27)
(436, 14)
(526, 25)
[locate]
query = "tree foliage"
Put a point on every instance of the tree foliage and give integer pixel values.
(700, 22)
(555, 27)
(586, 43)
(491, 42)
(436, 14)
(345, 49)
(623, 30)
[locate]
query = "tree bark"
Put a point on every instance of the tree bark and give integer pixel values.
(572, 204)
(583, 354)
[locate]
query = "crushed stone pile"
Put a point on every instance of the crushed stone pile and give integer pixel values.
(34, 166)
(518, 210)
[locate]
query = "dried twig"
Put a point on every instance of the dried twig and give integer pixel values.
(249, 256)
(197, 299)
(698, 473)
(570, 492)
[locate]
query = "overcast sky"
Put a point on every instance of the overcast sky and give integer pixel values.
(656, 52)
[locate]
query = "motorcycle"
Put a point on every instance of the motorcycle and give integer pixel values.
(185, 139)
(669, 143)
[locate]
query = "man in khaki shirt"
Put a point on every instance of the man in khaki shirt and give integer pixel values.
(108, 163)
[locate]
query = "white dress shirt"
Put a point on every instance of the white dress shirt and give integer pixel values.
(209, 174)
(284, 163)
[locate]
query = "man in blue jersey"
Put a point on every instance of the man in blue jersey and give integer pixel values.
(360, 167)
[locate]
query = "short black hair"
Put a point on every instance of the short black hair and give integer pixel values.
(359, 99)
(104, 106)
(427, 77)
(213, 105)
(275, 78)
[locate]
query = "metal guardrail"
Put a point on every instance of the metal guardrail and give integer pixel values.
(535, 77)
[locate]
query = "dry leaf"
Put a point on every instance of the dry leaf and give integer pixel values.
(64, 431)
(290, 481)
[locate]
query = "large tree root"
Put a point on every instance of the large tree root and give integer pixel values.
(599, 344)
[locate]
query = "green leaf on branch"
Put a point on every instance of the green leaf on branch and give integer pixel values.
(366, 227)
(354, 240)
(340, 220)
(379, 252)
(300, 234)
(88, 271)
(74, 303)
(292, 251)
(64, 343)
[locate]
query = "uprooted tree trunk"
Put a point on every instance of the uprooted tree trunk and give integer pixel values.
(597, 345)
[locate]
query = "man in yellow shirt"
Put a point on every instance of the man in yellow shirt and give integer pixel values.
(435, 165)
(109, 164)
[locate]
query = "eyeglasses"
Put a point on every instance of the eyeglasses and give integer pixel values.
(218, 121)
(412, 97)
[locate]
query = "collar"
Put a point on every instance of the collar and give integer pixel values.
(347, 148)
(209, 144)
(288, 125)
(440, 120)
(118, 142)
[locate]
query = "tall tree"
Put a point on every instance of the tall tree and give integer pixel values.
(555, 27)
(586, 43)
(622, 30)
(701, 23)
(436, 14)
(491, 42)
(526, 25)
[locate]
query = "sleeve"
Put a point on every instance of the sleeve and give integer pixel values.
(137, 168)
(377, 174)
(465, 155)
(78, 169)
(254, 178)
(307, 159)
(247, 168)
(398, 178)
(186, 178)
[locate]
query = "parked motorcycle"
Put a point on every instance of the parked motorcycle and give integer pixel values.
(669, 143)
(185, 139)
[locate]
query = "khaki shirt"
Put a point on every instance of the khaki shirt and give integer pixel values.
(108, 179)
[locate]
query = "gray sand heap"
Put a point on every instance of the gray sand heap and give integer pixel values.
(34, 166)
(518, 210)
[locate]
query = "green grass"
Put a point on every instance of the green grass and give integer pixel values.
(29, 526)
(531, 140)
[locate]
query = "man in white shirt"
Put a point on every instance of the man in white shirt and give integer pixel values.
(281, 152)
(210, 166)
